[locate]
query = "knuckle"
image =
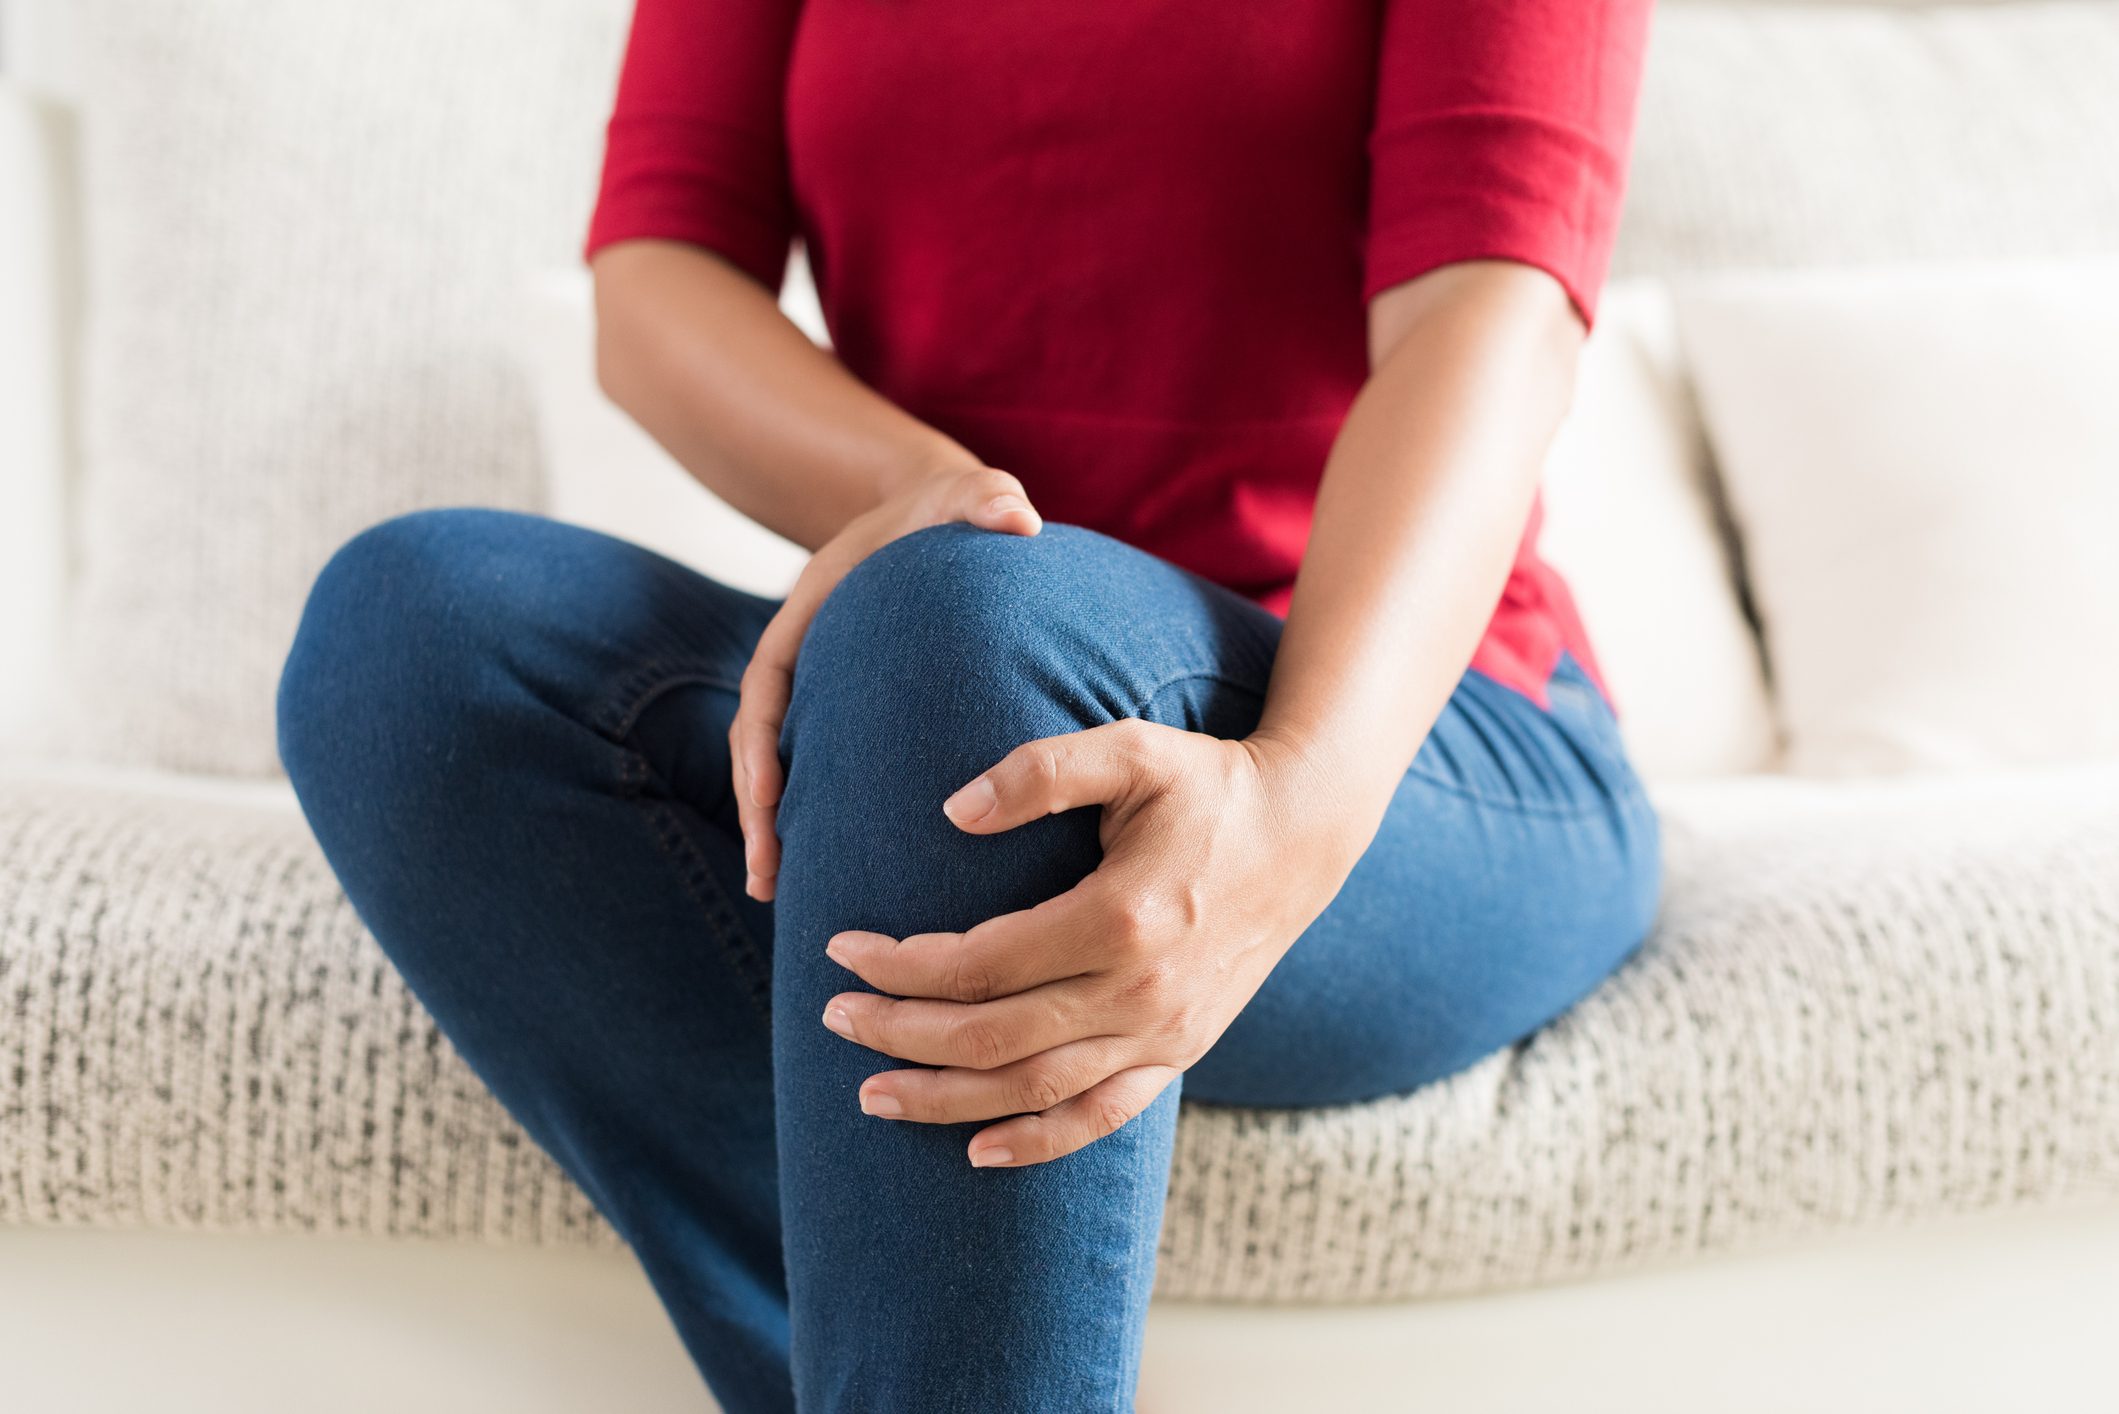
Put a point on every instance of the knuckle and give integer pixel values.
(970, 978)
(1135, 742)
(1041, 765)
(1109, 1116)
(1175, 1023)
(1152, 983)
(1130, 926)
(1132, 733)
(981, 1044)
(1037, 1089)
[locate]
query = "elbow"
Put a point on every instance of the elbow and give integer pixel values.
(1501, 300)
(614, 338)
(1495, 313)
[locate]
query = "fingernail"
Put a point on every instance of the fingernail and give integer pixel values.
(835, 951)
(988, 1158)
(875, 1102)
(971, 804)
(836, 1018)
(1002, 504)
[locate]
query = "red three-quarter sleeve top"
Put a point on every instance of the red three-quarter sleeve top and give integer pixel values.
(1124, 251)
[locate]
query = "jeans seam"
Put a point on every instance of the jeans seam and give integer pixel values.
(615, 719)
(619, 712)
(1573, 811)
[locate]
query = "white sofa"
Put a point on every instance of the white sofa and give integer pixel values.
(1845, 1135)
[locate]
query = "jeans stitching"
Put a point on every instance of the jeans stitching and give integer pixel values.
(614, 719)
(1571, 811)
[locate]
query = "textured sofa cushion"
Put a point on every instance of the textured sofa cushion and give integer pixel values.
(1924, 465)
(307, 226)
(1863, 1003)
(1776, 135)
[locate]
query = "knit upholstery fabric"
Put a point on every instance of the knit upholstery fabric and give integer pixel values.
(1799, 135)
(1864, 1003)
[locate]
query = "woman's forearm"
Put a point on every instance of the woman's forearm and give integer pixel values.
(1424, 499)
(700, 355)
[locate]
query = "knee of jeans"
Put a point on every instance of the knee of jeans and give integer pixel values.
(387, 639)
(941, 652)
(949, 617)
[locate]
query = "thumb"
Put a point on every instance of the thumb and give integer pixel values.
(995, 500)
(1101, 766)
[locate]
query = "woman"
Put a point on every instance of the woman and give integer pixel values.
(852, 951)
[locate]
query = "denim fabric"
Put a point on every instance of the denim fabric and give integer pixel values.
(510, 737)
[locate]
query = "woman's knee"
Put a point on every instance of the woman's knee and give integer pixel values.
(390, 640)
(952, 621)
(929, 662)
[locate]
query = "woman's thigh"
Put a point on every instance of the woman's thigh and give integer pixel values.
(1517, 866)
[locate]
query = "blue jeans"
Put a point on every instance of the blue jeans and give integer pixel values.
(510, 736)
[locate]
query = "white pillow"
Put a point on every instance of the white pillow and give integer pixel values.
(1924, 469)
(309, 225)
(1632, 522)
(1802, 135)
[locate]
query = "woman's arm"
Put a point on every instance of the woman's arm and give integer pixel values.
(699, 353)
(1497, 159)
(1424, 499)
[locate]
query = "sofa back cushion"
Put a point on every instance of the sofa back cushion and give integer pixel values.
(1924, 468)
(307, 227)
(1633, 520)
(1798, 135)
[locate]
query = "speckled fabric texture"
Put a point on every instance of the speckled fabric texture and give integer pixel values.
(1865, 1003)
(309, 229)
(1778, 135)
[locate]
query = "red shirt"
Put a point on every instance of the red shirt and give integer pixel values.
(1124, 251)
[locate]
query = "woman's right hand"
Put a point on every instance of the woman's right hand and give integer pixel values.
(980, 496)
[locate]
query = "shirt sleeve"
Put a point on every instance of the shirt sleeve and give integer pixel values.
(696, 150)
(1501, 131)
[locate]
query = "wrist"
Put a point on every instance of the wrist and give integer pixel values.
(1323, 798)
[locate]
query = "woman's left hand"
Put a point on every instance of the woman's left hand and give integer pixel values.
(1074, 1015)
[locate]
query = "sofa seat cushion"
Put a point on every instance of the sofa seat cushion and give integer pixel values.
(1864, 1003)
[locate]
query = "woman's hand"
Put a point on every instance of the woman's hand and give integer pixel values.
(979, 495)
(1074, 1015)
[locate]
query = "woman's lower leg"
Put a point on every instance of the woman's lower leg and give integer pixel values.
(918, 1282)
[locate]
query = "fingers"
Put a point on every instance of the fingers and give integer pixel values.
(988, 498)
(1103, 765)
(993, 500)
(754, 737)
(1072, 1124)
(958, 1095)
(754, 756)
(1012, 953)
(981, 1036)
